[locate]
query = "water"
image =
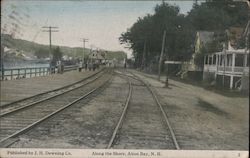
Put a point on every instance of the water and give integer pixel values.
(25, 65)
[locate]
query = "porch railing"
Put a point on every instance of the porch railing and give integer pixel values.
(228, 69)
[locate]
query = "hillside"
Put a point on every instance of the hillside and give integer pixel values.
(29, 48)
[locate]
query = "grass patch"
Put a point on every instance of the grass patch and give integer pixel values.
(211, 108)
(216, 89)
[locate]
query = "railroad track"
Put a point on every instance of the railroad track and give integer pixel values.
(143, 123)
(30, 101)
(19, 121)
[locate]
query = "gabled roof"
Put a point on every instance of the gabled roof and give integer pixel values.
(96, 55)
(235, 34)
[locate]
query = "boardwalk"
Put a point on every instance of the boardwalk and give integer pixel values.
(14, 90)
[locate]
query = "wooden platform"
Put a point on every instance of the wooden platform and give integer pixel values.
(14, 90)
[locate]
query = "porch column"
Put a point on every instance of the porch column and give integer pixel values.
(233, 61)
(231, 81)
(207, 59)
(216, 61)
(219, 56)
(245, 61)
(226, 62)
(212, 59)
(216, 65)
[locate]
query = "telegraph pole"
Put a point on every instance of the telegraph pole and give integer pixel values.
(84, 40)
(247, 44)
(144, 55)
(225, 47)
(162, 52)
(50, 29)
(1, 56)
(224, 64)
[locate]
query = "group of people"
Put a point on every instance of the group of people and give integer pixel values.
(87, 66)
(57, 68)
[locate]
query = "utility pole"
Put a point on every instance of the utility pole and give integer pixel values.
(224, 65)
(247, 44)
(84, 40)
(162, 52)
(225, 47)
(50, 29)
(144, 55)
(1, 56)
(166, 82)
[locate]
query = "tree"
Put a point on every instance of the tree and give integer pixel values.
(148, 32)
(211, 15)
(56, 56)
(218, 15)
(137, 35)
(42, 53)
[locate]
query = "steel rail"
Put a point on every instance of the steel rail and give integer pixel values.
(122, 116)
(54, 90)
(50, 115)
(47, 98)
(129, 76)
(163, 112)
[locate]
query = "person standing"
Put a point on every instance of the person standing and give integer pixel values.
(80, 66)
(86, 66)
(62, 68)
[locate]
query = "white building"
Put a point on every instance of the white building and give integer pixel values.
(231, 64)
(96, 57)
(230, 67)
(201, 39)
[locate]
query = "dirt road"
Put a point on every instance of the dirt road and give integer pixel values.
(203, 119)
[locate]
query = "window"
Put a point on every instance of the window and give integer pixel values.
(210, 60)
(214, 59)
(247, 60)
(221, 60)
(239, 60)
(205, 59)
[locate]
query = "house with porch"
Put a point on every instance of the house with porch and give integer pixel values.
(189, 68)
(230, 67)
(201, 39)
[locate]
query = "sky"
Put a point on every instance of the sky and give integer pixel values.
(102, 22)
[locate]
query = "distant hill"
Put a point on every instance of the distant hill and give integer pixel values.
(29, 48)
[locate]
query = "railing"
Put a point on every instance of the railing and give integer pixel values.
(228, 69)
(19, 73)
(210, 68)
(70, 67)
(236, 69)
